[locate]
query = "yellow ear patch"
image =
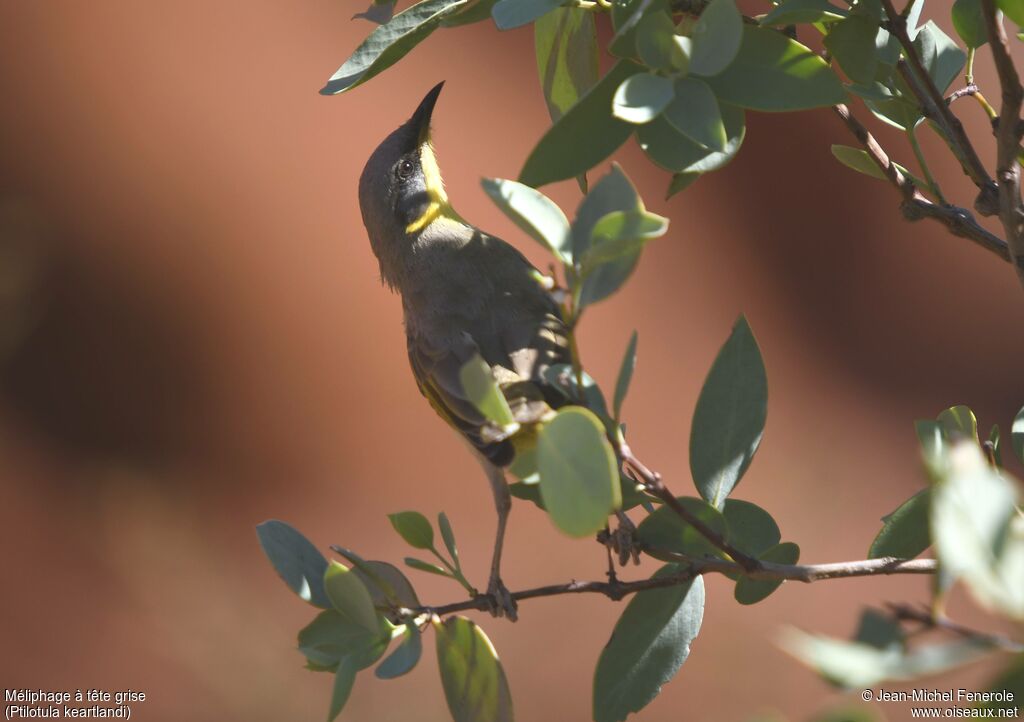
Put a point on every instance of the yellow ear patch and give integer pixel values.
(438, 205)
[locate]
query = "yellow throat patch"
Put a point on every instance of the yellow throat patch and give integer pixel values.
(438, 205)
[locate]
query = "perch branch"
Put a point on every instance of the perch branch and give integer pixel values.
(616, 589)
(959, 221)
(1008, 135)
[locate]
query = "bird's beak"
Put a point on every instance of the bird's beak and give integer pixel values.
(420, 120)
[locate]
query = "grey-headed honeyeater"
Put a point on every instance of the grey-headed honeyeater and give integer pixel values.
(464, 294)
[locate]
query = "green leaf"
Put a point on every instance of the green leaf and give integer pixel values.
(579, 480)
(414, 528)
(625, 376)
(977, 531)
(852, 44)
(390, 42)
(665, 531)
(1014, 10)
(331, 637)
(649, 644)
(751, 529)
(510, 14)
(584, 136)
(296, 560)
(378, 13)
(959, 422)
(618, 234)
(344, 681)
(473, 680)
(680, 182)
(752, 591)
(933, 440)
(527, 492)
(858, 160)
(566, 46)
(349, 596)
(428, 567)
(405, 658)
(387, 585)
(449, 536)
(773, 73)
(613, 192)
(858, 665)
(716, 38)
(657, 45)
(481, 389)
(1017, 435)
(904, 532)
(969, 22)
(641, 98)
(473, 12)
(534, 213)
(898, 112)
(694, 112)
(793, 12)
(879, 630)
(941, 56)
(673, 151)
(729, 419)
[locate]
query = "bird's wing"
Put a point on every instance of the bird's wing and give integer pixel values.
(436, 366)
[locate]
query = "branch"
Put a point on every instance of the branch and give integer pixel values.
(915, 206)
(653, 484)
(1008, 135)
(616, 590)
(935, 107)
(906, 612)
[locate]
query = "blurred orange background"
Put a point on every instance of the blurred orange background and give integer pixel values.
(195, 339)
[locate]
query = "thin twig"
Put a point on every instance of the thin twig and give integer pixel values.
(925, 617)
(616, 590)
(653, 485)
(915, 206)
(935, 106)
(1008, 135)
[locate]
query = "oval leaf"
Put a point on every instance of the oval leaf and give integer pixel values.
(751, 529)
(533, 212)
(510, 14)
(716, 38)
(625, 376)
(970, 22)
(613, 192)
(566, 47)
(482, 390)
(405, 658)
(694, 112)
(344, 681)
(579, 480)
(390, 42)
(649, 644)
(473, 679)
(803, 11)
(1017, 435)
(349, 595)
(673, 151)
(773, 73)
(621, 233)
(641, 98)
(448, 536)
(584, 136)
(666, 531)
(905, 532)
(752, 591)
(331, 637)
(729, 419)
(296, 560)
(414, 528)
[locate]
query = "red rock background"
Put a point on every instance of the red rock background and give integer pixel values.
(195, 340)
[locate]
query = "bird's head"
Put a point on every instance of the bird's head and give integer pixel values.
(400, 190)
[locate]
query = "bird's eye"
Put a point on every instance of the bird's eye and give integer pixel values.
(405, 169)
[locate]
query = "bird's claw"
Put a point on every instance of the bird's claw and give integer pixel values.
(499, 600)
(623, 541)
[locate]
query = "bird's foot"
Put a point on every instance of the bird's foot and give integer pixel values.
(623, 541)
(499, 600)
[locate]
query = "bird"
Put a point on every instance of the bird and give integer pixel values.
(465, 294)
